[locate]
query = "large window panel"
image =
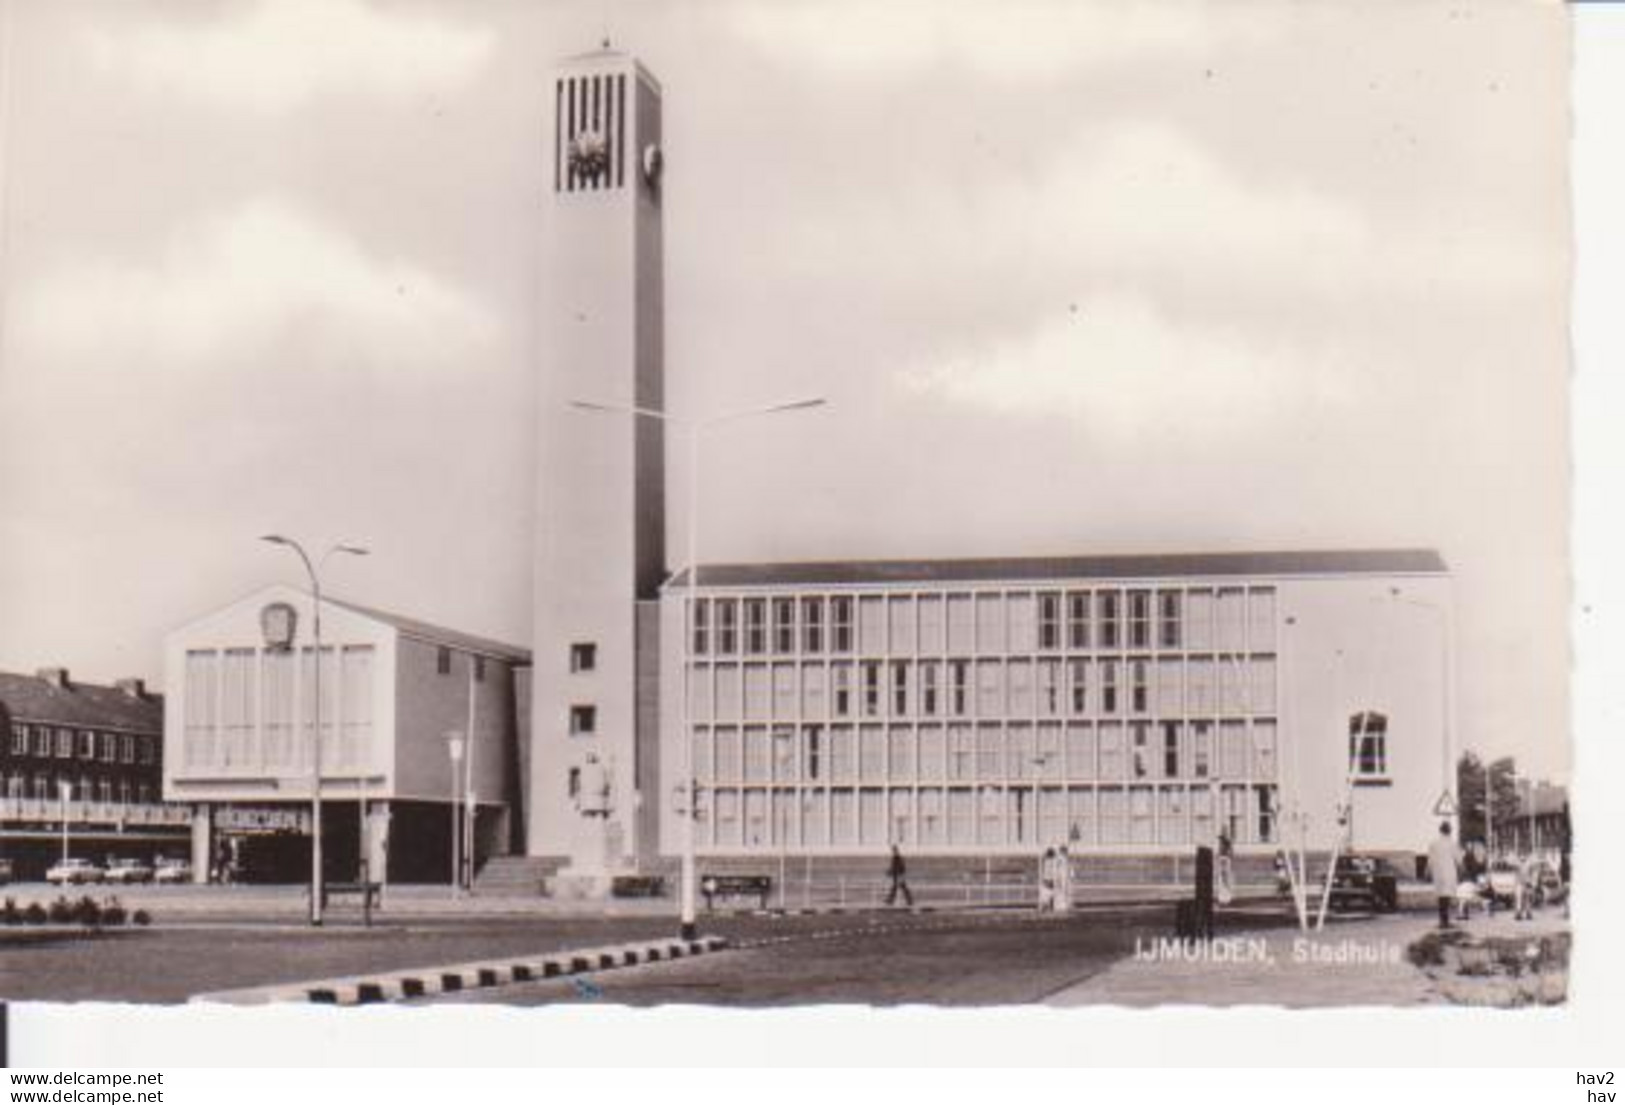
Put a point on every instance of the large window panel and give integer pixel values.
(933, 752)
(961, 624)
(814, 701)
(1023, 622)
(356, 742)
(900, 618)
(202, 705)
(872, 740)
(1080, 750)
(990, 635)
(730, 755)
(843, 744)
(1199, 619)
(784, 690)
(756, 692)
(277, 688)
(933, 636)
(872, 625)
(900, 754)
(730, 692)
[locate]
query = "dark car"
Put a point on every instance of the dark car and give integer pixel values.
(1365, 883)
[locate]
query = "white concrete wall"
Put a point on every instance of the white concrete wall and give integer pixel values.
(237, 625)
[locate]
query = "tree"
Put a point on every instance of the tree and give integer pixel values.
(1473, 779)
(1470, 780)
(1504, 801)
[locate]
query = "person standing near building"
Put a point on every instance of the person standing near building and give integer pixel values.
(1063, 880)
(1046, 881)
(895, 870)
(1443, 865)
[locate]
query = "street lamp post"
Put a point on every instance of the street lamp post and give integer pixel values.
(688, 929)
(454, 747)
(314, 572)
(65, 789)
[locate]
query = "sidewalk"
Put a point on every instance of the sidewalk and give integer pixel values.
(1355, 962)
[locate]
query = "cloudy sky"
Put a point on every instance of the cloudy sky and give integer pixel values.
(1074, 278)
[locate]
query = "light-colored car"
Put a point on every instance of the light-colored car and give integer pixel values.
(70, 872)
(172, 870)
(1502, 883)
(128, 871)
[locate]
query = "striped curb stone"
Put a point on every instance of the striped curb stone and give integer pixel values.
(486, 974)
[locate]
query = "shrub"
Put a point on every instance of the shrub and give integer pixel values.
(141, 917)
(113, 913)
(11, 915)
(61, 912)
(35, 914)
(86, 912)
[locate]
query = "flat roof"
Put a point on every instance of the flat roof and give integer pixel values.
(844, 573)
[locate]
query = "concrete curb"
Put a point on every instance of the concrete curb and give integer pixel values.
(423, 981)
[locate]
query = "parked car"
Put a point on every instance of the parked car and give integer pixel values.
(1501, 883)
(7, 872)
(1365, 882)
(128, 871)
(169, 869)
(1549, 886)
(70, 872)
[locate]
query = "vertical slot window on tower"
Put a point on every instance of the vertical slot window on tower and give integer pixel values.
(583, 656)
(583, 720)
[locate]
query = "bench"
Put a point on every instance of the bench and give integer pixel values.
(370, 893)
(735, 886)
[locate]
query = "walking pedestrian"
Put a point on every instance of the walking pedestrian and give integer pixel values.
(1046, 881)
(895, 870)
(1444, 865)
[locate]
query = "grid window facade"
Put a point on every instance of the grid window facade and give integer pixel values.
(1095, 715)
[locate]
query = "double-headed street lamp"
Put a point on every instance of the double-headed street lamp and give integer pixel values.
(314, 572)
(694, 427)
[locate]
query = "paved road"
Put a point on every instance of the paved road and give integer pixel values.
(875, 959)
(170, 964)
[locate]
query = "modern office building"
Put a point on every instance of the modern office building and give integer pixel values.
(87, 755)
(1111, 704)
(239, 738)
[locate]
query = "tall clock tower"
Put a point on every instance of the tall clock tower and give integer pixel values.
(600, 524)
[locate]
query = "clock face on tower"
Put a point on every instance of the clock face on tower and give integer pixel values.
(589, 155)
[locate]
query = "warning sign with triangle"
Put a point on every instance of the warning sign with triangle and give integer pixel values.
(1445, 806)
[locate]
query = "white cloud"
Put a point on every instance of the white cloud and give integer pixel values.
(898, 38)
(1120, 370)
(231, 285)
(1145, 201)
(278, 55)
